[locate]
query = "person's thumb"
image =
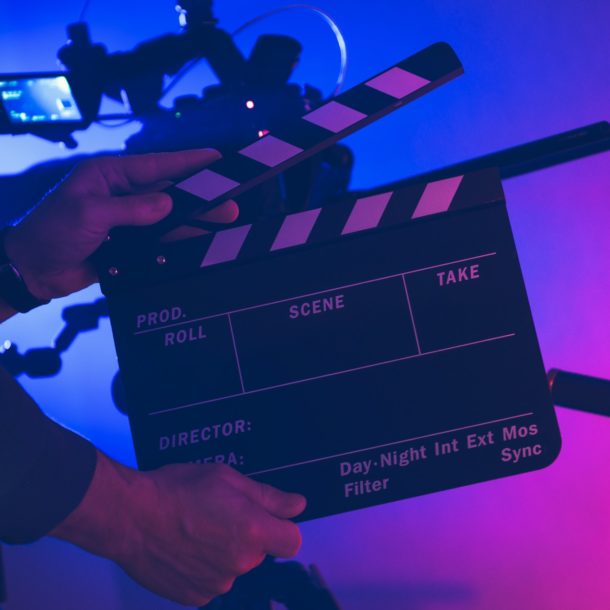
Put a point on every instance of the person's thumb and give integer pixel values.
(279, 503)
(135, 210)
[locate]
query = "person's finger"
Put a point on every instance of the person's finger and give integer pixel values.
(154, 167)
(131, 210)
(280, 538)
(279, 503)
(226, 213)
(152, 187)
(123, 175)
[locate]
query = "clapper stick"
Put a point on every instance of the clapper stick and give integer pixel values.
(242, 170)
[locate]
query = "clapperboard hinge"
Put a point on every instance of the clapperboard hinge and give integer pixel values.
(361, 212)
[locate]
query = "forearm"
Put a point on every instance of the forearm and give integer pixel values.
(45, 469)
(6, 311)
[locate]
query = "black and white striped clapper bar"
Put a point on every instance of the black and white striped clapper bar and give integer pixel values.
(272, 154)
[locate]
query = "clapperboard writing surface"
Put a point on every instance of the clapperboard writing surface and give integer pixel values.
(369, 351)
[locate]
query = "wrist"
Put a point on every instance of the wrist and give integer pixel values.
(17, 288)
(106, 522)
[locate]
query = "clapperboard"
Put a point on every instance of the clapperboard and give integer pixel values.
(375, 349)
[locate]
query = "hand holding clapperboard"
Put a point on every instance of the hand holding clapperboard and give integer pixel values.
(373, 350)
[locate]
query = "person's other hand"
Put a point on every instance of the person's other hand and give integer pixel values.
(51, 245)
(185, 531)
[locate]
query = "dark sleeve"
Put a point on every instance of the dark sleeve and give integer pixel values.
(45, 469)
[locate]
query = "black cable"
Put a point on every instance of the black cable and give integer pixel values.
(105, 125)
(84, 10)
(327, 18)
(336, 30)
(180, 75)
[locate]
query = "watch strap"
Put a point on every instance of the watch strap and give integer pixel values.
(13, 289)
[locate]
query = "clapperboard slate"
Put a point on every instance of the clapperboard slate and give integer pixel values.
(373, 350)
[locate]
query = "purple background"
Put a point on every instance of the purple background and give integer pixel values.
(540, 540)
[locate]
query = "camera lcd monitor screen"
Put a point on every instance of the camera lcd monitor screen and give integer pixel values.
(38, 99)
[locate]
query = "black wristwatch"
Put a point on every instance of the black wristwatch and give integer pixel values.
(13, 290)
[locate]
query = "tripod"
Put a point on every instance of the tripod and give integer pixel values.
(289, 583)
